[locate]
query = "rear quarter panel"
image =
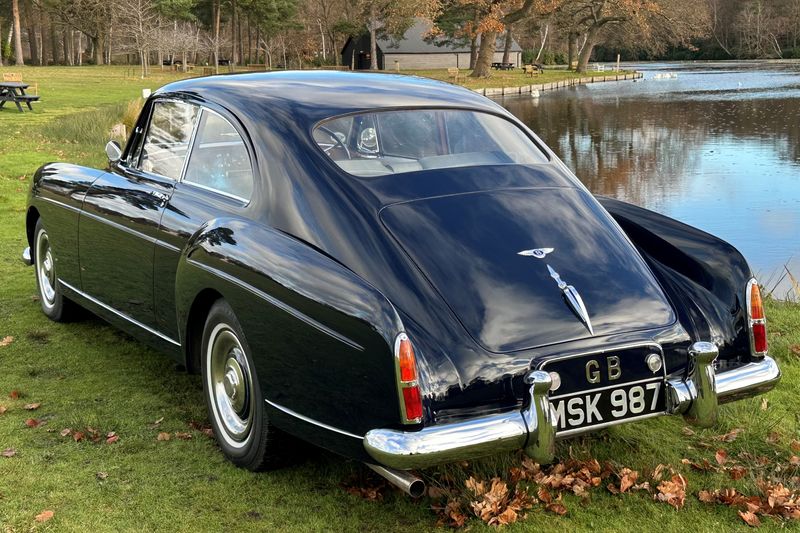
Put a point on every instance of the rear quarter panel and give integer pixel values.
(320, 336)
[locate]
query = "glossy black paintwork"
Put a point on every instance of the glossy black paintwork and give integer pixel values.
(322, 287)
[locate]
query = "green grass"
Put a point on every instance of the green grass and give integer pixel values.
(88, 374)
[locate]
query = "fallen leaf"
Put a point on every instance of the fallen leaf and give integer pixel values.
(749, 518)
(183, 435)
(14, 394)
(5, 341)
(794, 460)
(101, 476)
(32, 406)
(764, 404)
(628, 479)
(111, 438)
(721, 456)
(673, 491)
(737, 472)
(44, 516)
(9, 452)
(706, 497)
(65, 432)
(3, 409)
(729, 436)
(77, 436)
(33, 423)
(163, 436)
(774, 437)
(687, 431)
(795, 445)
(557, 508)
(795, 349)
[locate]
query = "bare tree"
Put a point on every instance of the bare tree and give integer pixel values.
(18, 59)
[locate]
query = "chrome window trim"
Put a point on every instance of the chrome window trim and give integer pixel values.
(312, 421)
(156, 101)
(203, 110)
(119, 313)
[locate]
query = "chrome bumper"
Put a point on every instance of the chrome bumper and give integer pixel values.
(696, 397)
(26, 256)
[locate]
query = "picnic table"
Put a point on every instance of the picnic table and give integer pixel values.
(14, 91)
(503, 66)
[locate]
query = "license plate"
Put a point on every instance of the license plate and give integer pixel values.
(602, 389)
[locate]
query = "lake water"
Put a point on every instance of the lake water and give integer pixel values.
(716, 146)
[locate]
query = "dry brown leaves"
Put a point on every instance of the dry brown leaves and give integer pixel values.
(91, 434)
(197, 426)
(495, 504)
(3, 409)
(5, 341)
(34, 422)
(775, 500)
(729, 436)
(32, 406)
(9, 452)
(673, 491)
(44, 516)
(795, 349)
(14, 395)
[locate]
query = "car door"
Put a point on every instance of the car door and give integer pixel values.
(119, 225)
(217, 183)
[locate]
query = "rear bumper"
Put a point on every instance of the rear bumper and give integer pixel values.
(696, 397)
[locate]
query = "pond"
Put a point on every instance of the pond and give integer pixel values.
(715, 145)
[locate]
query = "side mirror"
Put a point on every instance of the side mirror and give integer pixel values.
(113, 151)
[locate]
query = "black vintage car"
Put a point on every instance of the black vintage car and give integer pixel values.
(393, 268)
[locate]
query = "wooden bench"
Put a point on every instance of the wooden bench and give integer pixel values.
(452, 73)
(17, 77)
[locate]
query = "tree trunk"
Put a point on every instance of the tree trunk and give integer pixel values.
(33, 41)
(507, 48)
(473, 51)
(234, 42)
(373, 47)
(483, 65)
(18, 59)
(66, 37)
(572, 50)
(588, 47)
(1, 43)
(98, 47)
(216, 35)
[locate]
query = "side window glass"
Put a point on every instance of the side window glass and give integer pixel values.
(219, 159)
(166, 142)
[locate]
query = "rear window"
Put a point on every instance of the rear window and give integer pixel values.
(394, 142)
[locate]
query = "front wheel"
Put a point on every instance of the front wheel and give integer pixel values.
(54, 305)
(233, 395)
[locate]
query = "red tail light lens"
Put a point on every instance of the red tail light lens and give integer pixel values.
(407, 384)
(413, 402)
(757, 321)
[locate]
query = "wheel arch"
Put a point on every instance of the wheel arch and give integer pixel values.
(30, 224)
(195, 323)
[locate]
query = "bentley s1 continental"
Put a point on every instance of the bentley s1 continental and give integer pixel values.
(393, 268)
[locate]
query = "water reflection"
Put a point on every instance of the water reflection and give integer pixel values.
(717, 147)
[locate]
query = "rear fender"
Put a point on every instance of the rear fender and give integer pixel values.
(321, 337)
(704, 276)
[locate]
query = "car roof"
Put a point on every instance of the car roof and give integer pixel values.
(313, 95)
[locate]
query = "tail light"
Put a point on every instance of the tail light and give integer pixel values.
(407, 383)
(757, 321)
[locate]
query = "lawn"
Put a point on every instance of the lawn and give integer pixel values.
(90, 379)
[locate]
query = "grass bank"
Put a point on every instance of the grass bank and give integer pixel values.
(90, 379)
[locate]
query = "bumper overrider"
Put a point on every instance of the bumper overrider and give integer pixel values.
(695, 396)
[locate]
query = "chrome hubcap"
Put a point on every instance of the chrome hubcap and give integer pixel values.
(45, 269)
(230, 385)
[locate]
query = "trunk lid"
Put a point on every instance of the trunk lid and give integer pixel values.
(468, 247)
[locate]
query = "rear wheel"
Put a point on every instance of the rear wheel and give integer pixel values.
(54, 304)
(233, 395)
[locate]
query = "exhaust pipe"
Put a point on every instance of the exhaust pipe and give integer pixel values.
(405, 481)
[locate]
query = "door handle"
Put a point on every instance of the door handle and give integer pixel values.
(162, 198)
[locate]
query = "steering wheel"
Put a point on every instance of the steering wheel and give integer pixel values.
(337, 143)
